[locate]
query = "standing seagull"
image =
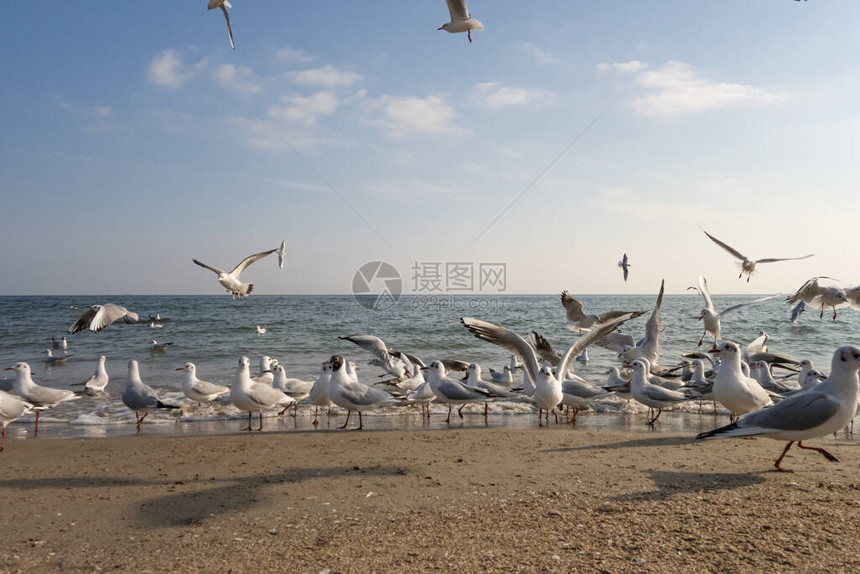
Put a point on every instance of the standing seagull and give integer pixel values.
(821, 411)
(254, 397)
(747, 264)
(99, 380)
(461, 20)
(732, 388)
(709, 316)
(138, 396)
(352, 395)
(40, 397)
(98, 317)
(649, 394)
(197, 390)
(624, 266)
(230, 281)
(11, 409)
(224, 4)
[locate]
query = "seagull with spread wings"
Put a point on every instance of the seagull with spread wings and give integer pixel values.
(709, 316)
(224, 4)
(230, 281)
(461, 20)
(747, 264)
(579, 320)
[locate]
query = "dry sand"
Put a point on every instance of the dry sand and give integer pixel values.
(531, 500)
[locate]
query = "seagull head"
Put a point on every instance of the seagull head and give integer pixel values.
(337, 363)
(19, 368)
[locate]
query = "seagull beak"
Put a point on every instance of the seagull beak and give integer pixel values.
(179, 369)
(440, 28)
(9, 369)
(714, 350)
(327, 363)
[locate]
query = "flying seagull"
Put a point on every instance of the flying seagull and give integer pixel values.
(224, 4)
(282, 254)
(709, 316)
(624, 266)
(747, 264)
(99, 317)
(461, 20)
(230, 281)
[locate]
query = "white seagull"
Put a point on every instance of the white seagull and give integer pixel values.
(709, 316)
(732, 388)
(98, 317)
(747, 264)
(651, 395)
(261, 330)
(647, 347)
(319, 391)
(461, 20)
(230, 281)
(579, 320)
(138, 396)
(197, 390)
(11, 409)
(55, 360)
(282, 254)
(821, 411)
(818, 295)
(450, 391)
(156, 346)
(254, 397)
(224, 4)
(99, 380)
(40, 397)
(353, 395)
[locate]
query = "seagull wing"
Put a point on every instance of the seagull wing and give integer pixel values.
(506, 339)
(706, 293)
(248, 260)
(797, 412)
(371, 343)
(282, 254)
(655, 324)
(458, 10)
(772, 259)
(585, 340)
(572, 307)
(229, 30)
(610, 315)
(617, 341)
(209, 267)
(731, 250)
(739, 305)
(84, 320)
(544, 349)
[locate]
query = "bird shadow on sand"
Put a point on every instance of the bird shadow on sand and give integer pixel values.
(633, 443)
(181, 506)
(670, 483)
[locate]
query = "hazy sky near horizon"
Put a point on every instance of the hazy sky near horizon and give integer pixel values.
(134, 139)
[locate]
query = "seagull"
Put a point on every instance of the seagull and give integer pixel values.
(154, 325)
(747, 264)
(139, 396)
(197, 390)
(261, 330)
(11, 409)
(99, 380)
(450, 391)
(156, 346)
(295, 388)
(266, 376)
(817, 295)
(383, 358)
(55, 361)
(506, 377)
(734, 390)
(230, 281)
(579, 320)
(852, 294)
(624, 266)
(709, 316)
(319, 391)
(282, 254)
(651, 395)
(224, 4)
(98, 317)
(548, 384)
(821, 411)
(461, 20)
(40, 397)
(352, 395)
(254, 397)
(647, 347)
(61, 344)
(576, 394)
(423, 395)
(475, 381)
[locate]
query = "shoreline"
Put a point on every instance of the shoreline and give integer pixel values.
(555, 499)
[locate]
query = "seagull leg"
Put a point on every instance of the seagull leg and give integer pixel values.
(779, 460)
(3, 440)
(703, 337)
(36, 431)
(821, 315)
(249, 421)
(823, 452)
(834, 318)
(316, 413)
(347, 420)
(360, 425)
(652, 421)
(460, 410)
(261, 422)
(540, 417)
(555, 413)
(469, 34)
(448, 420)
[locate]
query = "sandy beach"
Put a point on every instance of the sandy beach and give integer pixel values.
(556, 499)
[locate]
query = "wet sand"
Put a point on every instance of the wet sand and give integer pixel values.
(494, 500)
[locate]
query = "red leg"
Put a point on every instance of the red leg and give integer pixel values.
(554, 412)
(360, 424)
(36, 431)
(823, 452)
(469, 34)
(3, 440)
(347, 420)
(448, 420)
(779, 460)
(540, 417)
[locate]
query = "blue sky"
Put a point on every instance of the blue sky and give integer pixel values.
(134, 139)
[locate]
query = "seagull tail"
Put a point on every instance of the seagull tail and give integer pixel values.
(716, 433)
(250, 288)
(166, 406)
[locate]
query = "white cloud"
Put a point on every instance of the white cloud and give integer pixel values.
(166, 69)
(240, 79)
(294, 56)
(495, 95)
(632, 66)
(267, 136)
(542, 57)
(416, 115)
(97, 111)
(305, 109)
(676, 89)
(328, 77)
